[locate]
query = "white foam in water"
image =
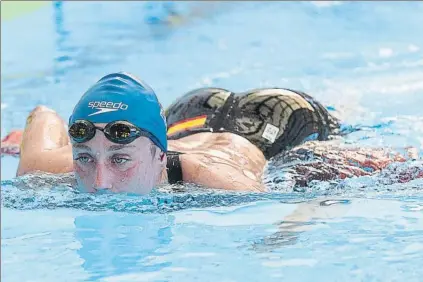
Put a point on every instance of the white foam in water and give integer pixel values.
(291, 262)
(386, 52)
(326, 3)
(413, 48)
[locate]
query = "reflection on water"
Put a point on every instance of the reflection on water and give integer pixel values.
(339, 240)
(307, 216)
(115, 244)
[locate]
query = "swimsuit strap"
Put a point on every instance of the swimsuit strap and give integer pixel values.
(174, 168)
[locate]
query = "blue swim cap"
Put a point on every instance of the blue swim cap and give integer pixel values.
(121, 96)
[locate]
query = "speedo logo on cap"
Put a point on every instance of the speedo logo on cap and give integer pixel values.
(105, 107)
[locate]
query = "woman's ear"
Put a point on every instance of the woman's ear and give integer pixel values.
(162, 159)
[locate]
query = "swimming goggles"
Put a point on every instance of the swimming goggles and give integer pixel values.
(120, 132)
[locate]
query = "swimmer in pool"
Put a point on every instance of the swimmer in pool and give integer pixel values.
(120, 139)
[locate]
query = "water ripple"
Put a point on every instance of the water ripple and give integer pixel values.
(170, 198)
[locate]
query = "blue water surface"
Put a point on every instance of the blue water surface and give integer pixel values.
(364, 60)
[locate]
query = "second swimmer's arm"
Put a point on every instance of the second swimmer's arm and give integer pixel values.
(200, 169)
(328, 160)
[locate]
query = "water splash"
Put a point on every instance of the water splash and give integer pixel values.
(169, 198)
(156, 202)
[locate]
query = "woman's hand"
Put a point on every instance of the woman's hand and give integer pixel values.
(10, 145)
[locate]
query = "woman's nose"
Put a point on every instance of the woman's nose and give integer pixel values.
(102, 180)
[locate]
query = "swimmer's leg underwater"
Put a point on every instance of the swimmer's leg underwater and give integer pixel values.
(45, 144)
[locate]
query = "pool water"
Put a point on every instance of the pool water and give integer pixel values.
(365, 60)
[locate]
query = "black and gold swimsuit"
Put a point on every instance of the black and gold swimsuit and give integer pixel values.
(273, 119)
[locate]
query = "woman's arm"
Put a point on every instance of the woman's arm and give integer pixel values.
(202, 170)
(45, 144)
(325, 161)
